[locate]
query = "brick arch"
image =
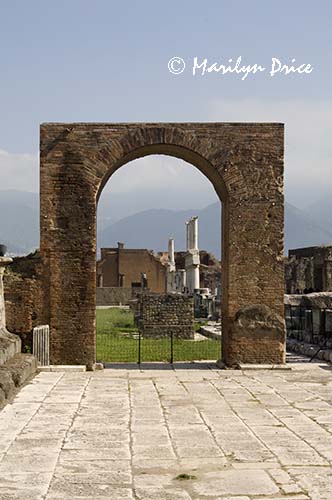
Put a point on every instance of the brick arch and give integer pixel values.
(244, 162)
(203, 153)
(176, 151)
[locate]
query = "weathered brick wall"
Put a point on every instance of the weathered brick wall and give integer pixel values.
(24, 297)
(159, 316)
(113, 296)
(309, 317)
(123, 267)
(244, 162)
(309, 268)
(299, 274)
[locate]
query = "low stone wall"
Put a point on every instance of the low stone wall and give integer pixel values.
(322, 300)
(159, 316)
(309, 324)
(15, 368)
(24, 297)
(113, 296)
(308, 349)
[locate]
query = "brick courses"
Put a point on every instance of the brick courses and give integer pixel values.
(244, 162)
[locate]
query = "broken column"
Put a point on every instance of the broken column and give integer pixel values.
(171, 269)
(10, 344)
(192, 256)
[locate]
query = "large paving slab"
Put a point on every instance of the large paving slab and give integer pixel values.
(192, 432)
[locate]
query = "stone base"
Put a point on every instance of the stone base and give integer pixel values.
(264, 367)
(10, 345)
(15, 373)
(62, 368)
(244, 366)
(309, 350)
(220, 364)
(256, 336)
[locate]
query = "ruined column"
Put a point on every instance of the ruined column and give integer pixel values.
(192, 256)
(10, 344)
(187, 236)
(194, 226)
(171, 270)
(4, 261)
(171, 258)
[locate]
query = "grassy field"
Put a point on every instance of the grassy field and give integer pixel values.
(117, 341)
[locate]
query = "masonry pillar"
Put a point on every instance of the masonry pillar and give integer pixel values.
(4, 261)
(10, 344)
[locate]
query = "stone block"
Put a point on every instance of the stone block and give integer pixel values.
(316, 321)
(64, 368)
(328, 320)
(308, 321)
(10, 345)
(6, 382)
(261, 329)
(22, 367)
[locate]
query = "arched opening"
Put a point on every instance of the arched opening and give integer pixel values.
(144, 206)
(244, 162)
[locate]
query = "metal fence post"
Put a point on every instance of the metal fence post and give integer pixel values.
(171, 348)
(41, 344)
(139, 347)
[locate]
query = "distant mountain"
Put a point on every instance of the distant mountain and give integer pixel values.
(19, 223)
(151, 229)
(115, 206)
(301, 230)
(321, 212)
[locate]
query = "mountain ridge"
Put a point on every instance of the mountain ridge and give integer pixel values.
(151, 228)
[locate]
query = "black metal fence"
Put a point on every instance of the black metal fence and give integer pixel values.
(134, 348)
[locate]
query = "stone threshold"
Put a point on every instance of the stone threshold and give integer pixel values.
(255, 366)
(62, 368)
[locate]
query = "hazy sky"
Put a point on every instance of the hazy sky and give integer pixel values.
(106, 60)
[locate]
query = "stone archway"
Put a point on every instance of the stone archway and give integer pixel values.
(244, 162)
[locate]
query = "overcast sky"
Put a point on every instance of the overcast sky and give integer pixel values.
(106, 60)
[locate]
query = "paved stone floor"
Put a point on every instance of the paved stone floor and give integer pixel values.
(162, 434)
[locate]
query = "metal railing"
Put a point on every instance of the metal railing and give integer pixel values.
(41, 344)
(136, 348)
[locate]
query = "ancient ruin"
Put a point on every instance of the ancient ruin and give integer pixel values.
(243, 161)
(192, 256)
(309, 270)
(15, 368)
(187, 279)
(122, 267)
(9, 344)
(171, 283)
(165, 316)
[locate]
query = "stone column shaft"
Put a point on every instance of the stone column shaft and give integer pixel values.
(171, 257)
(3, 262)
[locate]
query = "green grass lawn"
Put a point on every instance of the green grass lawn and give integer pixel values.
(117, 341)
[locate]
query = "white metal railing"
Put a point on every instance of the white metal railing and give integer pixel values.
(41, 344)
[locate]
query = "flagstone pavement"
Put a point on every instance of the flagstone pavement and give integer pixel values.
(189, 432)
